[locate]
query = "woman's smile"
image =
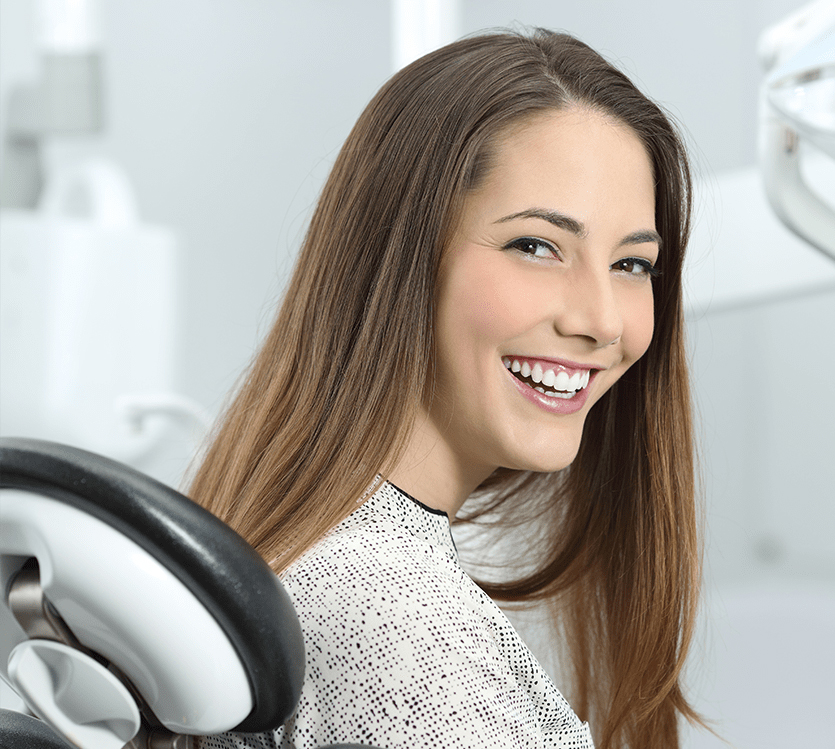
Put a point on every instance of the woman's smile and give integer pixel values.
(561, 387)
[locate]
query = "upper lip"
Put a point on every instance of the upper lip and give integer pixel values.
(565, 363)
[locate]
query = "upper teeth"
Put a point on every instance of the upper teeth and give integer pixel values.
(559, 380)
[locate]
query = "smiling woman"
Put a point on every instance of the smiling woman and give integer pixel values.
(486, 309)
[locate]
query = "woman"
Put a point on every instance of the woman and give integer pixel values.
(488, 302)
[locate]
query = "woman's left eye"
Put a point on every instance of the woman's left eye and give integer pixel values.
(533, 247)
(636, 266)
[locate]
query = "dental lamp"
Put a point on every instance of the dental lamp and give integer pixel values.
(797, 113)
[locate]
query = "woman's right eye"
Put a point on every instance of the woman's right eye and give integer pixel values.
(533, 247)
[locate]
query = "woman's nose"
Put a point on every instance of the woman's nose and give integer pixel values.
(589, 308)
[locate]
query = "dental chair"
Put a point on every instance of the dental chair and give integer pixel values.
(130, 616)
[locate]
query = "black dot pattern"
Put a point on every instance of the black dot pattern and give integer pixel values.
(405, 651)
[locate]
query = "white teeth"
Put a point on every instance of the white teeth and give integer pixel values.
(539, 389)
(552, 394)
(566, 385)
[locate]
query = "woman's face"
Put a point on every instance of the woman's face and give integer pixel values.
(545, 292)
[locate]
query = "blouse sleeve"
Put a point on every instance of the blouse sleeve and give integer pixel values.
(400, 655)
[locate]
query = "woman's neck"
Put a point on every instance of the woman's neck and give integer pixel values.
(433, 474)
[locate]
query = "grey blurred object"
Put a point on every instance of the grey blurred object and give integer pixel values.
(798, 111)
(66, 100)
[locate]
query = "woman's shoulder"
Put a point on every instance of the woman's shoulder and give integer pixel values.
(390, 562)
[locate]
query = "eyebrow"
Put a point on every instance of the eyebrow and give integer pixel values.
(577, 228)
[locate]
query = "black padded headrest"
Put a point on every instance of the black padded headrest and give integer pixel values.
(19, 731)
(224, 572)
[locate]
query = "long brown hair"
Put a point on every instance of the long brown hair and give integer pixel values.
(329, 400)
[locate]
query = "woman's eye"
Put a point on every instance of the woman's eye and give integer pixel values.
(533, 246)
(636, 266)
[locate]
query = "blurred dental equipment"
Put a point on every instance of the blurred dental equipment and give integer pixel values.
(66, 100)
(88, 316)
(88, 292)
(797, 113)
(750, 220)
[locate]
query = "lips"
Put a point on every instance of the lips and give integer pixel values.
(553, 379)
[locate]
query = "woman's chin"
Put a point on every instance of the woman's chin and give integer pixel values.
(546, 459)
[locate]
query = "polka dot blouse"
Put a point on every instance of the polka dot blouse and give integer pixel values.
(404, 650)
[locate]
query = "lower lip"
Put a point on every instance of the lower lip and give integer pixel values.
(551, 404)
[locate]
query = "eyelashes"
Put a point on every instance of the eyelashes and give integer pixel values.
(535, 247)
(636, 266)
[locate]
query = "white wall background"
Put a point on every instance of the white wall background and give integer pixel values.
(228, 113)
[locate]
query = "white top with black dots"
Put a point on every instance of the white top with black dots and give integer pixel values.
(405, 651)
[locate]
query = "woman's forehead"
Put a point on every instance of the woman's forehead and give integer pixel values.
(577, 162)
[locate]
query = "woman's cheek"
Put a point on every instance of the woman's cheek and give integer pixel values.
(639, 324)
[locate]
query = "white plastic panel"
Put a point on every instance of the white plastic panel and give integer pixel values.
(741, 253)
(122, 603)
(74, 694)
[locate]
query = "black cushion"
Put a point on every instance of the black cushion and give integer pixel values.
(213, 562)
(19, 731)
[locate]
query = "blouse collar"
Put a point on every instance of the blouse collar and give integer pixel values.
(417, 519)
